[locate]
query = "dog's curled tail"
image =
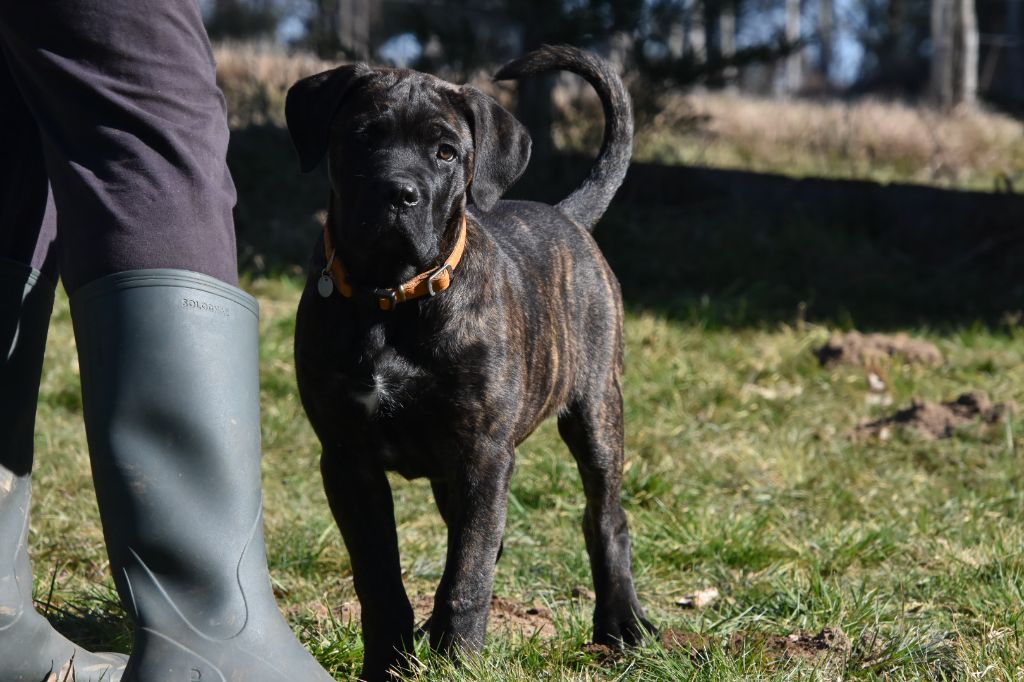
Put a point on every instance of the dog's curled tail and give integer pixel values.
(589, 201)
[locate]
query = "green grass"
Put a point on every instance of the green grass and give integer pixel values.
(913, 549)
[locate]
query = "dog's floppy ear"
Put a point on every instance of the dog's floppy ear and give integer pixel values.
(310, 107)
(501, 148)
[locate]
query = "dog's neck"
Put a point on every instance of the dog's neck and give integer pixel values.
(385, 268)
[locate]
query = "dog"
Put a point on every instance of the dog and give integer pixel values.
(440, 326)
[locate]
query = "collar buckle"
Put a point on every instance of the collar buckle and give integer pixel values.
(434, 277)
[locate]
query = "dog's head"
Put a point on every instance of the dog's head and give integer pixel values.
(404, 149)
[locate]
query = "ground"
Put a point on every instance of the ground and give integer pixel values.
(834, 556)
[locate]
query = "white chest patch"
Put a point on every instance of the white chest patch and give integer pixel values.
(371, 399)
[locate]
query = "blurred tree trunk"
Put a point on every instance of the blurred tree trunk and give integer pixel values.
(677, 39)
(354, 28)
(954, 69)
(696, 38)
(727, 41)
(713, 38)
(535, 105)
(1015, 31)
(826, 37)
(942, 52)
(794, 75)
(322, 27)
(967, 50)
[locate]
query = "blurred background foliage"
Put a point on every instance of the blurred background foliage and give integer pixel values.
(855, 160)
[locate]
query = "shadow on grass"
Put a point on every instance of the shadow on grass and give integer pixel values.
(95, 624)
(725, 248)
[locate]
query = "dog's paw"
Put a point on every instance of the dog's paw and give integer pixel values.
(623, 629)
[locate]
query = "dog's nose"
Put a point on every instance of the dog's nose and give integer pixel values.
(404, 193)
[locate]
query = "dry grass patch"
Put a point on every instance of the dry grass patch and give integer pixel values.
(880, 140)
(255, 78)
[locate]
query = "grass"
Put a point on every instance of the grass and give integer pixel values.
(911, 548)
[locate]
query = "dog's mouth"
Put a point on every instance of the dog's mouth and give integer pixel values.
(384, 248)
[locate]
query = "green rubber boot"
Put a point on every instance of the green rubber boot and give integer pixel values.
(170, 386)
(30, 649)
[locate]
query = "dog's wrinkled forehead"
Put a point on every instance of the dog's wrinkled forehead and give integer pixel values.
(390, 100)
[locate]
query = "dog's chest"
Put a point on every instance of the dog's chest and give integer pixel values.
(384, 386)
(380, 380)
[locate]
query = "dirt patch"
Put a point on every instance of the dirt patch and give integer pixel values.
(602, 653)
(870, 350)
(827, 650)
(931, 421)
(508, 616)
(696, 646)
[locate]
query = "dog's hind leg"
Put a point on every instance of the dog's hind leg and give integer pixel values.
(592, 428)
(360, 499)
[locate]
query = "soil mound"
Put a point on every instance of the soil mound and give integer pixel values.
(868, 350)
(931, 421)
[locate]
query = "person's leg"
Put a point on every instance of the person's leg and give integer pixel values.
(135, 136)
(30, 649)
(134, 131)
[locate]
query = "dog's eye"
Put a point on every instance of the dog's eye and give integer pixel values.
(446, 152)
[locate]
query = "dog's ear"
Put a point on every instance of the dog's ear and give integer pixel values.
(501, 148)
(310, 107)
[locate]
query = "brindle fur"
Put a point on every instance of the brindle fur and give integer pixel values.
(447, 387)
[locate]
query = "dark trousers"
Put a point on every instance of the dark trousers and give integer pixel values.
(113, 138)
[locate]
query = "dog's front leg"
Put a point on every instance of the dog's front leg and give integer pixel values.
(476, 507)
(360, 499)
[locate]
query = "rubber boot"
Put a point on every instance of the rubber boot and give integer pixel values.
(170, 385)
(30, 649)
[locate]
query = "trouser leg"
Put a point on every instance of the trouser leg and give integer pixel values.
(133, 130)
(30, 649)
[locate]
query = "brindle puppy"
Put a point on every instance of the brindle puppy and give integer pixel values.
(446, 386)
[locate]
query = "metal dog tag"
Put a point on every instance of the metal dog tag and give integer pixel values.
(325, 286)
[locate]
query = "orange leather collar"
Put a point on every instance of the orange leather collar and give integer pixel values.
(427, 283)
